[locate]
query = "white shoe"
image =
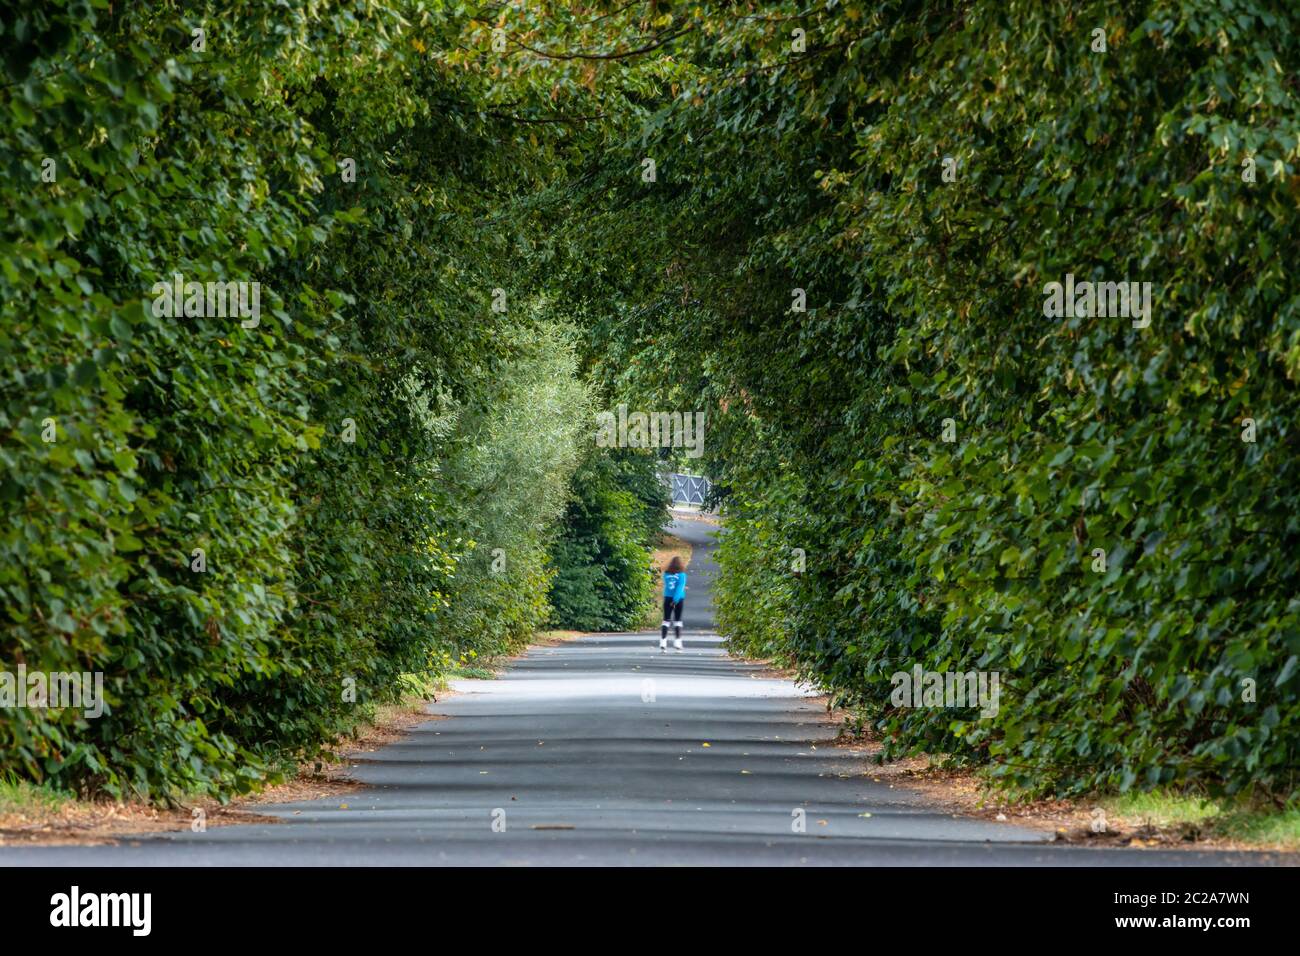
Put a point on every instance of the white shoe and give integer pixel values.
(678, 643)
(663, 644)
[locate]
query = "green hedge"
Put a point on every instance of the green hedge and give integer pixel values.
(779, 167)
(602, 555)
(822, 169)
(321, 459)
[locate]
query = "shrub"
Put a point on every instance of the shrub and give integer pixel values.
(602, 555)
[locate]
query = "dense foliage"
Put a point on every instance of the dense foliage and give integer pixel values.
(950, 460)
(603, 551)
(831, 227)
(346, 465)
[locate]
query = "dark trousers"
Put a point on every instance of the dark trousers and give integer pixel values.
(672, 615)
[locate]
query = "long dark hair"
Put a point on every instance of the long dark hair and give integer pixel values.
(674, 566)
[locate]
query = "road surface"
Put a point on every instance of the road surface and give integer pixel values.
(603, 751)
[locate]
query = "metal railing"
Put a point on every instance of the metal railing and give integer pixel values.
(689, 489)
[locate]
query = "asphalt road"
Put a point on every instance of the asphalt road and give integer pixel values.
(603, 751)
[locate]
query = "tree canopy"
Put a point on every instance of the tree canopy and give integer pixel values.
(832, 226)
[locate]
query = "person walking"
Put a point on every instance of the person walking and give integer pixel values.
(674, 598)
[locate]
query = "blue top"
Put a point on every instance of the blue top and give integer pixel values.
(675, 586)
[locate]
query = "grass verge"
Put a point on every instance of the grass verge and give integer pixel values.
(1192, 817)
(1164, 819)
